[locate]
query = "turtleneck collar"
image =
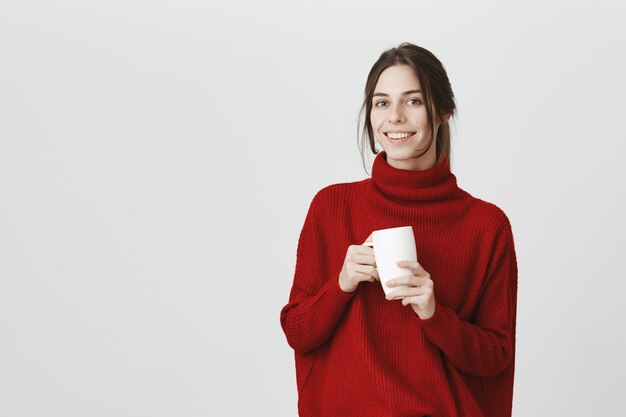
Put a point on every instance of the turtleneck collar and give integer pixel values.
(434, 183)
(431, 196)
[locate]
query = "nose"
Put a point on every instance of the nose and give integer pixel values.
(396, 115)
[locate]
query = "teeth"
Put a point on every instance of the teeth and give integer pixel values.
(398, 135)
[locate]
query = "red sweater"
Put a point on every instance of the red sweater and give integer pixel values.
(359, 354)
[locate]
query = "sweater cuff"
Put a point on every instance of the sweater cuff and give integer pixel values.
(437, 326)
(339, 295)
(334, 300)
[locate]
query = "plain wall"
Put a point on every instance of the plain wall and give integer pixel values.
(157, 159)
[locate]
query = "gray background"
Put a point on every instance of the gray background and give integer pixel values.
(157, 159)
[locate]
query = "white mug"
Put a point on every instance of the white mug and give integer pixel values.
(392, 245)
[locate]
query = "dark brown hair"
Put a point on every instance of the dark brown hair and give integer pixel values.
(436, 88)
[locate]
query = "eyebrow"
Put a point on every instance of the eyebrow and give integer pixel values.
(404, 94)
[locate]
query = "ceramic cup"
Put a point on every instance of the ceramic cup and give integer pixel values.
(392, 245)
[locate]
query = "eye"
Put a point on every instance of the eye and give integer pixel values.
(378, 102)
(417, 100)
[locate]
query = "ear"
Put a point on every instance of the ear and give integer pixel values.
(445, 118)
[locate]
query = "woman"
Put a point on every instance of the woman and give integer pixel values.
(442, 344)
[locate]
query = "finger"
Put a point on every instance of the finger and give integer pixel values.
(420, 295)
(373, 273)
(364, 250)
(419, 301)
(404, 292)
(411, 280)
(365, 269)
(360, 277)
(361, 259)
(413, 266)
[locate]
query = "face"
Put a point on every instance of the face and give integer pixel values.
(400, 120)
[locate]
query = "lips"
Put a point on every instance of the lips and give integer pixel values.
(410, 134)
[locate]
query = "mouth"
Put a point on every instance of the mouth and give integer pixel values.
(399, 136)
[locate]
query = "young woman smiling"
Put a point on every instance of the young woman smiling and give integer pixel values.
(359, 353)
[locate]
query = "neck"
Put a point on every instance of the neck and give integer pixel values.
(421, 163)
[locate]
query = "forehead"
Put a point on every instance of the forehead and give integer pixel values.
(397, 79)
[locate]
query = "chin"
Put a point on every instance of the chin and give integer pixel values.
(400, 154)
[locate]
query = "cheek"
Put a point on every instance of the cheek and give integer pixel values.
(418, 117)
(376, 120)
(421, 118)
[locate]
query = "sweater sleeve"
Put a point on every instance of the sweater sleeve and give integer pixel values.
(316, 302)
(485, 346)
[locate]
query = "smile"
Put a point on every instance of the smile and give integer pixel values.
(397, 135)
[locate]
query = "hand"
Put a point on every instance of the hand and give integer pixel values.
(358, 266)
(419, 290)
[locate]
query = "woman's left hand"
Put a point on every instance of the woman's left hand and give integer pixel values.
(419, 291)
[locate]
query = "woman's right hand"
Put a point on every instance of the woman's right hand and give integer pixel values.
(358, 266)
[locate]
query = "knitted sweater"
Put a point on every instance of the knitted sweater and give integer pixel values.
(359, 354)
